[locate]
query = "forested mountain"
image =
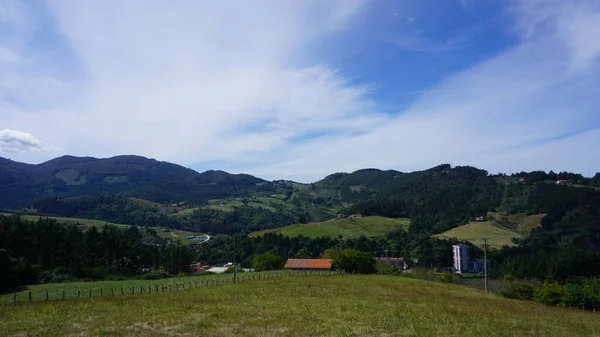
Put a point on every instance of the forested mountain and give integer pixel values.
(22, 184)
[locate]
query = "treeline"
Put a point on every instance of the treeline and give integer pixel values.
(120, 209)
(46, 251)
(568, 242)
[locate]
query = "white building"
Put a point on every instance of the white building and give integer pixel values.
(461, 258)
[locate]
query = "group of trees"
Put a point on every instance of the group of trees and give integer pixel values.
(46, 251)
(120, 209)
(574, 293)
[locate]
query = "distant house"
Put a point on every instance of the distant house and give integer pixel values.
(480, 218)
(521, 180)
(394, 261)
(561, 182)
(353, 216)
(308, 264)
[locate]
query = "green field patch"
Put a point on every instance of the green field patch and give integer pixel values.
(344, 305)
(348, 228)
(474, 231)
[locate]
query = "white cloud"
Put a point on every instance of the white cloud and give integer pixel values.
(13, 141)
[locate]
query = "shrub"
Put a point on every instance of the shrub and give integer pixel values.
(518, 290)
(385, 268)
(445, 277)
(573, 295)
(354, 261)
(548, 293)
(267, 261)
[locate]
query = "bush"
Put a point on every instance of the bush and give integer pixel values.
(385, 268)
(548, 293)
(267, 261)
(518, 290)
(445, 277)
(353, 261)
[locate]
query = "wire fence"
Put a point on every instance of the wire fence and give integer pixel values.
(156, 287)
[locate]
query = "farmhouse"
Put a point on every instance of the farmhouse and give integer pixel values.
(308, 264)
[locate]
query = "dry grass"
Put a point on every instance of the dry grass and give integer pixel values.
(311, 306)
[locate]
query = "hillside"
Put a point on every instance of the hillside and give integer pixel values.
(22, 184)
(500, 229)
(347, 228)
(307, 306)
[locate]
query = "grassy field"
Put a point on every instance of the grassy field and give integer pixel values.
(347, 228)
(342, 305)
(474, 231)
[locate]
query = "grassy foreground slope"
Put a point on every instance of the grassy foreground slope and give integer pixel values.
(312, 306)
(348, 228)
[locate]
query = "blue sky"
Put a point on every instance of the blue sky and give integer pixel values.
(301, 89)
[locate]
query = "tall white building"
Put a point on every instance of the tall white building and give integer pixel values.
(461, 258)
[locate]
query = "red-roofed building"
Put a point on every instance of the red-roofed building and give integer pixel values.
(308, 264)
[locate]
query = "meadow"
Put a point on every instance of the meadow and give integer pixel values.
(342, 305)
(474, 231)
(347, 228)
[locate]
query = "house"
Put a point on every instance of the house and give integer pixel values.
(480, 218)
(394, 261)
(197, 267)
(561, 182)
(308, 264)
(354, 216)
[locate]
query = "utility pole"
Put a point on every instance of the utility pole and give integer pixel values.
(485, 243)
(234, 265)
(386, 255)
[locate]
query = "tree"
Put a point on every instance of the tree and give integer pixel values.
(353, 261)
(267, 261)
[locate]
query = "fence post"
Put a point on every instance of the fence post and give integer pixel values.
(101, 292)
(112, 291)
(46, 294)
(30, 297)
(170, 289)
(157, 288)
(132, 290)
(122, 292)
(78, 293)
(141, 289)
(176, 286)
(15, 298)
(190, 284)
(150, 289)
(90, 293)
(63, 294)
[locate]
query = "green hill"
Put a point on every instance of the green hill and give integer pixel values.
(344, 305)
(347, 227)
